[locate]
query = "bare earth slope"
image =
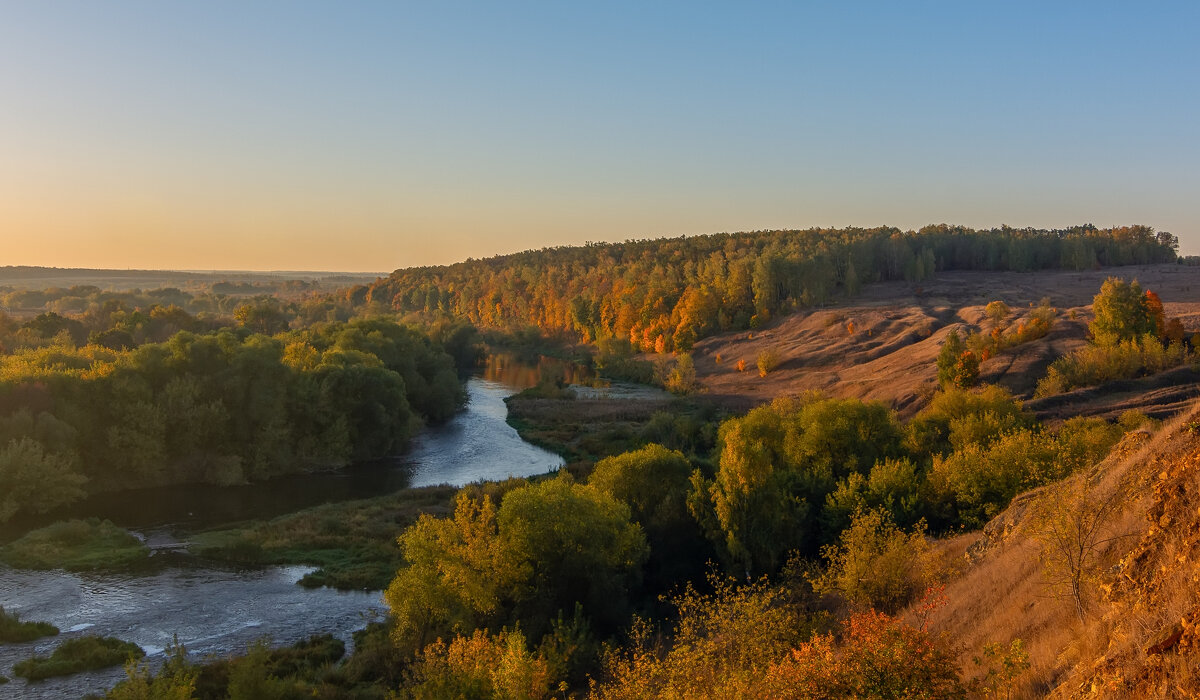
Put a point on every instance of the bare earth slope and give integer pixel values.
(1139, 636)
(883, 345)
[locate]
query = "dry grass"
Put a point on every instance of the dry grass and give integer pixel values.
(898, 333)
(1147, 580)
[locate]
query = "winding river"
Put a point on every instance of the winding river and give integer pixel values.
(220, 611)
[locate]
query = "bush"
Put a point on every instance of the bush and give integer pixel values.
(1122, 312)
(79, 654)
(877, 657)
(13, 630)
(722, 643)
(482, 666)
(957, 365)
(767, 361)
(956, 418)
(175, 680)
(1096, 364)
(875, 564)
(75, 545)
(981, 481)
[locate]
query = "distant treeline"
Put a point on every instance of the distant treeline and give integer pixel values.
(222, 407)
(121, 320)
(663, 295)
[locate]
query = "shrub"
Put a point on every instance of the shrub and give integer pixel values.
(957, 365)
(482, 666)
(75, 545)
(722, 643)
(79, 654)
(767, 361)
(997, 311)
(175, 680)
(1096, 364)
(956, 418)
(877, 657)
(874, 564)
(682, 377)
(1122, 312)
(13, 630)
(981, 481)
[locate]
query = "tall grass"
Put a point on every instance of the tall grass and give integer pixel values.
(79, 654)
(1096, 364)
(13, 630)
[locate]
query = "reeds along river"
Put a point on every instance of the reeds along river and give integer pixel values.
(220, 611)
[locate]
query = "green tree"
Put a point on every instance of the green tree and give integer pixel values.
(570, 544)
(958, 417)
(1120, 312)
(874, 564)
(956, 365)
(263, 316)
(35, 481)
(655, 483)
(548, 547)
(777, 466)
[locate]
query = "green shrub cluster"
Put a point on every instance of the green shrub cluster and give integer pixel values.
(13, 630)
(79, 654)
(75, 545)
(1125, 359)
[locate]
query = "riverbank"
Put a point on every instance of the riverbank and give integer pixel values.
(588, 427)
(353, 543)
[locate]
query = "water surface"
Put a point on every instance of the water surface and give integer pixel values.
(219, 611)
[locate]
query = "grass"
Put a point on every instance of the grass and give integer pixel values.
(13, 630)
(584, 431)
(76, 545)
(79, 654)
(353, 543)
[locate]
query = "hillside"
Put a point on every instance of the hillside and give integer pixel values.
(1135, 521)
(897, 329)
(663, 295)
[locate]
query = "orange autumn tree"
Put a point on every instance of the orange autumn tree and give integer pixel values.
(876, 656)
(747, 642)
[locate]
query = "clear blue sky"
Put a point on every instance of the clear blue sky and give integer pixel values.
(370, 136)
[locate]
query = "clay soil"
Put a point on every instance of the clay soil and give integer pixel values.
(883, 344)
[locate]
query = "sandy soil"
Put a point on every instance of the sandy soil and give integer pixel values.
(889, 352)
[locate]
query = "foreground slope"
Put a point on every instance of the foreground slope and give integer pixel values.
(1134, 522)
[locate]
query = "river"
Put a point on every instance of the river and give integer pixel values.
(220, 611)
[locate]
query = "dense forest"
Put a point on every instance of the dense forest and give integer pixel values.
(219, 407)
(124, 319)
(664, 294)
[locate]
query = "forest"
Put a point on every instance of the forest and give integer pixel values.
(221, 407)
(663, 295)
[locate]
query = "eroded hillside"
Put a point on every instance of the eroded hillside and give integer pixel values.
(884, 344)
(1127, 533)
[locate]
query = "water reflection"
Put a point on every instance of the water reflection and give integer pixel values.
(475, 444)
(511, 370)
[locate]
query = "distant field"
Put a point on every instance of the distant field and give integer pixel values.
(23, 277)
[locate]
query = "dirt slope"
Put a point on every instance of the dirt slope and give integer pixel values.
(1139, 636)
(884, 344)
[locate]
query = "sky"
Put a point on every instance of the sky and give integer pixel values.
(369, 136)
